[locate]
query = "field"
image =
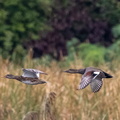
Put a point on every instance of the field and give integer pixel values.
(59, 99)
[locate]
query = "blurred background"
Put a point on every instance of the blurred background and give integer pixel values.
(52, 36)
(62, 29)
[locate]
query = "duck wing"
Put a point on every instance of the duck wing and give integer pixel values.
(33, 73)
(87, 78)
(96, 85)
(85, 81)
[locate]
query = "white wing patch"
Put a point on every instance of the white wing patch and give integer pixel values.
(96, 74)
(38, 75)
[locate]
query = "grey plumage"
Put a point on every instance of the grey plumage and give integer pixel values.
(92, 76)
(96, 85)
(33, 73)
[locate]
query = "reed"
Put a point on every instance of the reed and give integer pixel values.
(17, 99)
(49, 106)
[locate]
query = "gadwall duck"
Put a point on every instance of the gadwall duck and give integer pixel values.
(29, 76)
(92, 76)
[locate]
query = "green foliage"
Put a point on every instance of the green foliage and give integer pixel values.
(110, 10)
(18, 54)
(113, 52)
(20, 21)
(91, 54)
(72, 49)
(71, 57)
(116, 31)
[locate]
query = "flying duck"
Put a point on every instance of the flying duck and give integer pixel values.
(29, 76)
(92, 76)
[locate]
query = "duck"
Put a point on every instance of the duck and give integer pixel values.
(90, 76)
(29, 77)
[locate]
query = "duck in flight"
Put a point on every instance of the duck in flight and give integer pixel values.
(29, 76)
(92, 76)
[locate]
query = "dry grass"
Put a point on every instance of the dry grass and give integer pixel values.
(17, 99)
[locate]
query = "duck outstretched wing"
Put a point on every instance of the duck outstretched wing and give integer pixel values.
(96, 85)
(33, 73)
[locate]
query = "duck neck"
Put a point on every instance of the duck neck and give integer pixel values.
(81, 71)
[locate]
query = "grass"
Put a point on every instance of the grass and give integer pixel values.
(18, 99)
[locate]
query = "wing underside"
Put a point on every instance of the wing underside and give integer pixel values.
(96, 85)
(85, 81)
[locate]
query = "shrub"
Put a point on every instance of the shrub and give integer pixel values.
(21, 21)
(113, 52)
(116, 31)
(91, 54)
(109, 10)
(80, 19)
(72, 49)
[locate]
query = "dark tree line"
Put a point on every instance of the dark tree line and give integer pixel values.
(79, 19)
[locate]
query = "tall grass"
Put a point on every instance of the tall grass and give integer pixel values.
(18, 99)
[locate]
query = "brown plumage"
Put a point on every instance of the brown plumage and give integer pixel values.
(32, 80)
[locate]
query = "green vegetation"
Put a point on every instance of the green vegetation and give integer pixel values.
(116, 31)
(110, 10)
(24, 21)
(113, 52)
(21, 21)
(91, 54)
